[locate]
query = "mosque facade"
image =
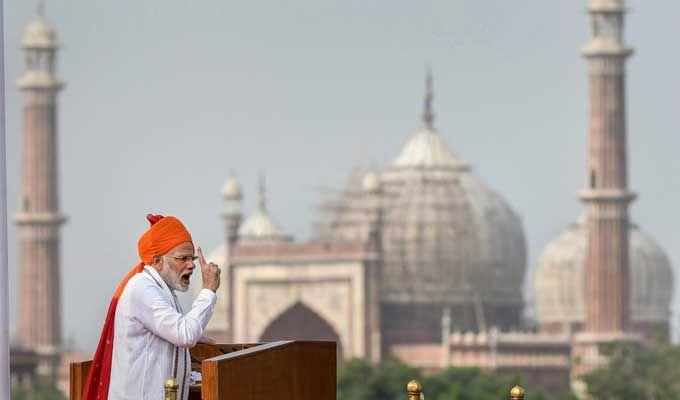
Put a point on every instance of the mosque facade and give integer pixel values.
(419, 260)
(422, 260)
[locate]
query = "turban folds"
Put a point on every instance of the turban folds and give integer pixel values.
(164, 234)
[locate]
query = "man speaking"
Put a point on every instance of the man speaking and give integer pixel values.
(145, 339)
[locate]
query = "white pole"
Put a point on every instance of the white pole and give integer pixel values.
(4, 284)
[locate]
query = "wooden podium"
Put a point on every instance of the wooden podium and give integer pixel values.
(283, 370)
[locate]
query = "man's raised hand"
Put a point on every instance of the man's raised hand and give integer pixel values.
(210, 272)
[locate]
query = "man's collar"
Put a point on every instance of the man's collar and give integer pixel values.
(157, 277)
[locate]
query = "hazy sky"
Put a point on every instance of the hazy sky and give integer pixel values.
(164, 98)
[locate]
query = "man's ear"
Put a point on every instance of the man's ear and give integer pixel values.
(156, 260)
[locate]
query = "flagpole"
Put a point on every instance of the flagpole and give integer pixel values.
(4, 275)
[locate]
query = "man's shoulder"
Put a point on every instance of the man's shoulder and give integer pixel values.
(142, 283)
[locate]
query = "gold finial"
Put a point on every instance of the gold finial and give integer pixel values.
(414, 390)
(428, 116)
(171, 386)
(517, 393)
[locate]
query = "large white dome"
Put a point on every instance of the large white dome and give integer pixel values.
(447, 235)
(559, 280)
(448, 239)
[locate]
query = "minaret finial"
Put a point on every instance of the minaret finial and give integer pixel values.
(262, 200)
(428, 116)
(41, 8)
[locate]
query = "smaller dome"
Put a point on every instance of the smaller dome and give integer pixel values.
(371, 182)
(559, 281)
(259, 227)
(39, 35)
(231, 189)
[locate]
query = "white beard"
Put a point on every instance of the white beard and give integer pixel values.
(172, 278)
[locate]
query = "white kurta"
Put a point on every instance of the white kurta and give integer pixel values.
(152, 338)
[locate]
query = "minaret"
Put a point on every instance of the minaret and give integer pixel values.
(373, 195)
(607, 280)
(607, 195)
(232, 213)
(39, 219)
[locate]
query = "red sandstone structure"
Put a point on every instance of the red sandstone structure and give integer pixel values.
(39, 219)
(607, 280)
(607, 195)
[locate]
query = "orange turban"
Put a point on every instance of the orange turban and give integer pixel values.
(164, 234)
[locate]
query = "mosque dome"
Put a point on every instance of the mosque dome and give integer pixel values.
(446, 229)
(448, 239)
(39, 34)
(559, 279)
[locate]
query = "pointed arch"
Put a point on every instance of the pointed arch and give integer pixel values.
(299, 322)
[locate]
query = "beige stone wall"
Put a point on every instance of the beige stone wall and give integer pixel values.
(333, 290)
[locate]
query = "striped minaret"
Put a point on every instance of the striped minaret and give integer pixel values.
(39, 219)
(606, 196)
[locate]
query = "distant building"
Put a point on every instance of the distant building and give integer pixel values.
(423, 261)
(420, 260)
